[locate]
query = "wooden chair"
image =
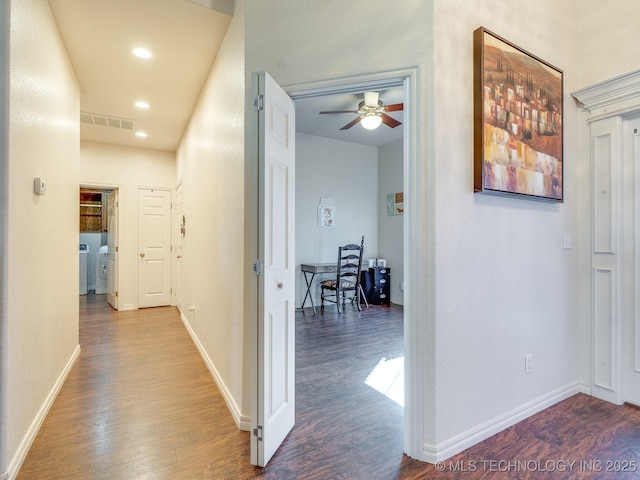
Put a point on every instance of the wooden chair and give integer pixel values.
(347, 282)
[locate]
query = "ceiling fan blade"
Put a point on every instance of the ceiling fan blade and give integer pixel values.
(352, 123)
(390, 121)
(339, 111)
(394, 108)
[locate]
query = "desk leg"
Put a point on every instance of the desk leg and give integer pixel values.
(363, 296)
(309, 282)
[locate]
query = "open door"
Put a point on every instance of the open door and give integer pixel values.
(112, 248)
(275, 382)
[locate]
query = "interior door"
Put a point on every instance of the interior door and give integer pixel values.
(154, 248)
(112, 248)
(275, 380)
(631, 325)
(179, 233)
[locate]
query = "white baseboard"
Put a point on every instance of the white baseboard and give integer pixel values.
(32, 432)
(242, 421)
(125, 308)
(459, 443)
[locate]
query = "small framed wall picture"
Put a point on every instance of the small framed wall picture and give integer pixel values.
(395, 204)
(326, 214)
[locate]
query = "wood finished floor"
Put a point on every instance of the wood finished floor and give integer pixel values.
(140, 404)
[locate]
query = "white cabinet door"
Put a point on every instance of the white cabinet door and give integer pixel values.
(276, 343)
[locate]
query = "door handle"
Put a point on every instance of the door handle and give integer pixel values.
(179, 256)
(142, 255)
(280, 285)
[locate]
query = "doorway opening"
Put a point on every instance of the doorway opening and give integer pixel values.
(98, 238)
(411, 371)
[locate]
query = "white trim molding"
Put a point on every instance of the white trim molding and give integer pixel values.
(243, 422)
(465, 440)
(616, 96)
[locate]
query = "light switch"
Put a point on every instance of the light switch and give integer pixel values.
(568, 241)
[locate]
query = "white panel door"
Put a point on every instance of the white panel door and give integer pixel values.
(154, 248)
(606, 259)
(179, 233)
(112, 248)
(275, 330)
(631, 328)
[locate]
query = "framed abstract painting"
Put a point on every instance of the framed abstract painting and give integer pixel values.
(518, 121)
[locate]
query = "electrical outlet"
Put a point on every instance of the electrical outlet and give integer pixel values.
(528, 364)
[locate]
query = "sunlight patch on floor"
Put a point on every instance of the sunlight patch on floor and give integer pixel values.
(387, 377)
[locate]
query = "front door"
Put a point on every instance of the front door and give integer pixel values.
(275, 367)
(154, 248)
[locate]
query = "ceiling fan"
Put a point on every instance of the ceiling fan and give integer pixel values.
(371, 113)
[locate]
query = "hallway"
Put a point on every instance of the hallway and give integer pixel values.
(139, 401)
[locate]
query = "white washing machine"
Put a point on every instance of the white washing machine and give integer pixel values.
(102, 269)
(84, 251)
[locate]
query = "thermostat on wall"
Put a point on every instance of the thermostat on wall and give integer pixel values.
(39, 187)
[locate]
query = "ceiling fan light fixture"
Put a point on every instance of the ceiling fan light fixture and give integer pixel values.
(371, 122)
(371, 99)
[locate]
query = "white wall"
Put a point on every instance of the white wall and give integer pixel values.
(211, 167)
(128, 169)
(506, 287)
(390, 228)
(347, 173)
(606, 40)
(498, 284)
(39, 234)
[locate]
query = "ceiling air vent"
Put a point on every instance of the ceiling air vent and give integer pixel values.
(106, 121)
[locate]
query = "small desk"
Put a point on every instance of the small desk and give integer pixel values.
(316, 269)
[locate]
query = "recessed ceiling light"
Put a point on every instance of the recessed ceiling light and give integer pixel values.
(142, 104)
(142, 53)
(141, 134)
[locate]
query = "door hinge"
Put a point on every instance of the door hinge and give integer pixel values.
(116, 294)
(257, 267)
(257, 432)
(116, 249)
(258, 102)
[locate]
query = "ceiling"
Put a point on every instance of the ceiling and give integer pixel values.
(184, 37)
(310, 122)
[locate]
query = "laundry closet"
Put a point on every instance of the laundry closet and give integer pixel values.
(94, 261)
